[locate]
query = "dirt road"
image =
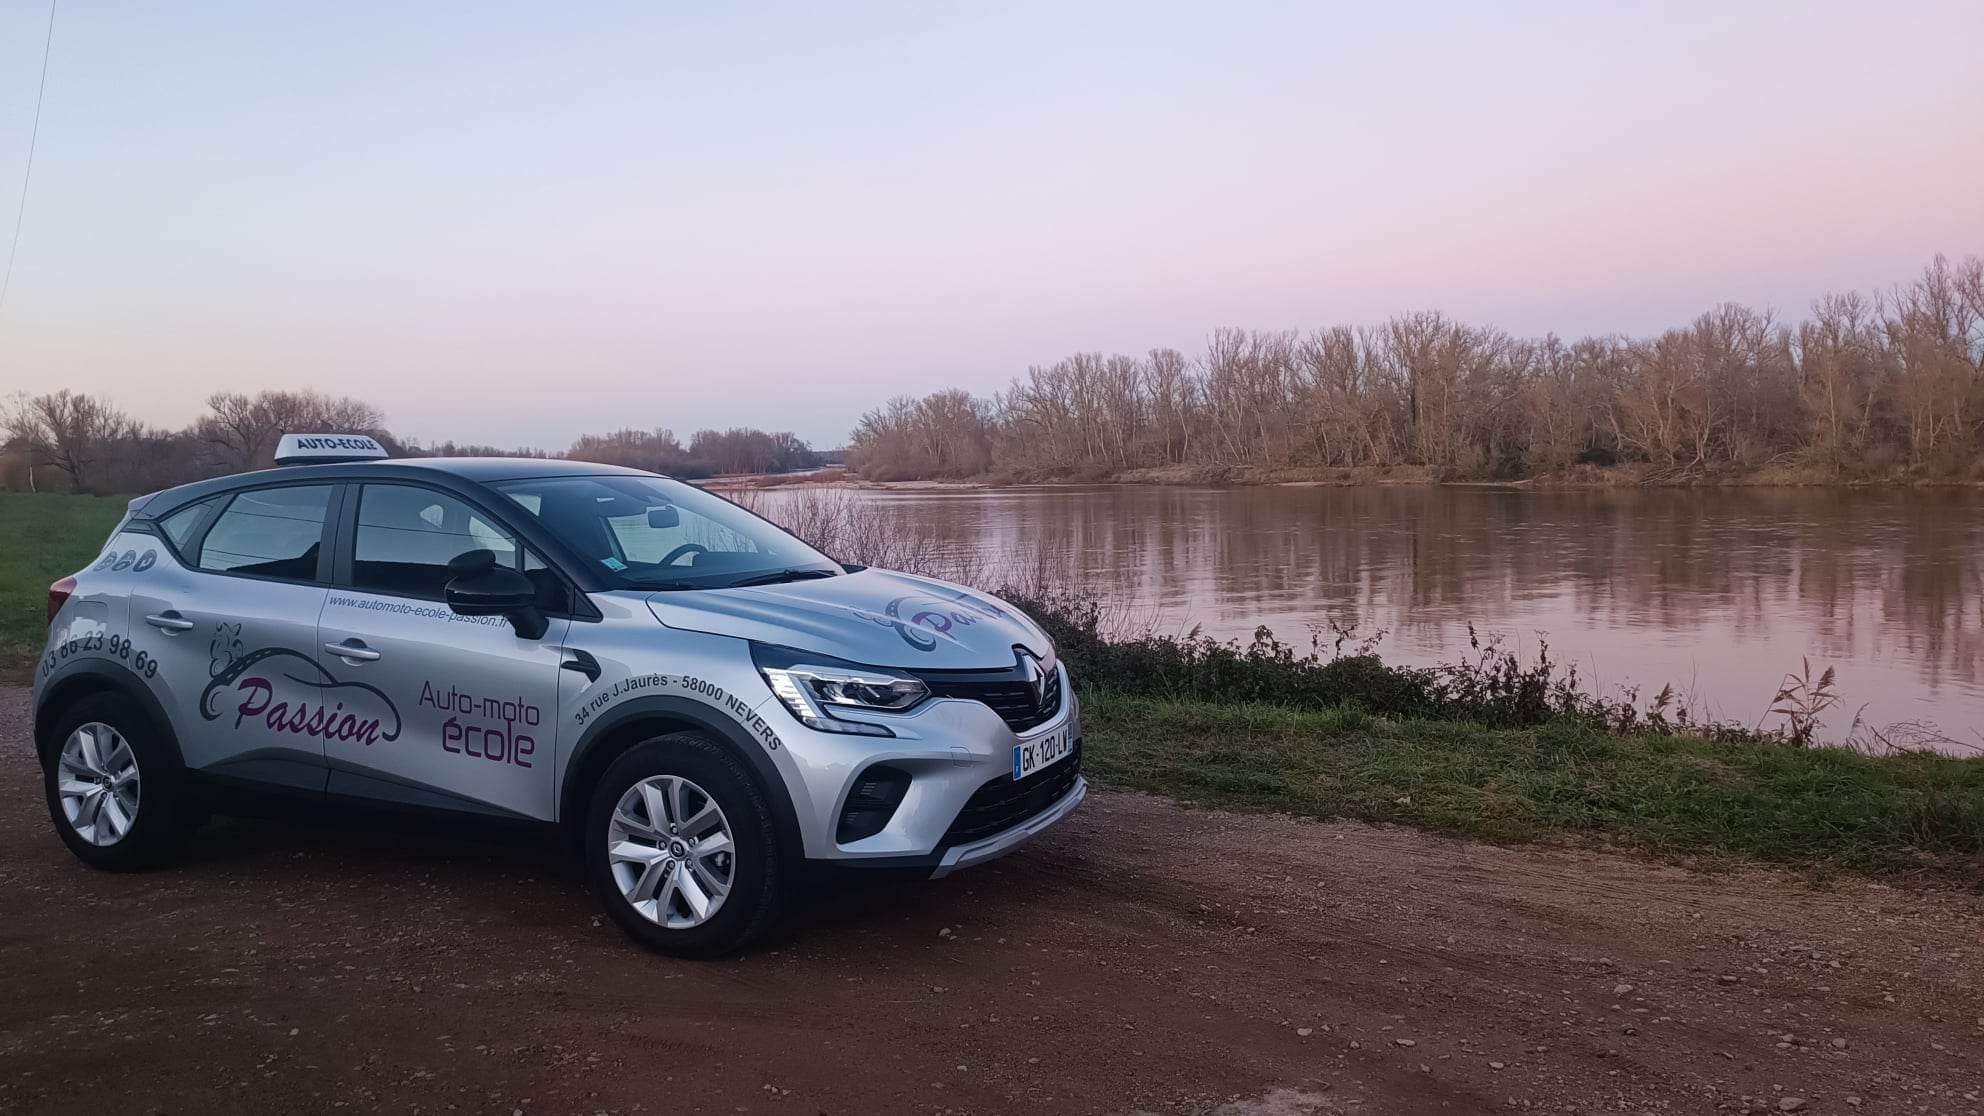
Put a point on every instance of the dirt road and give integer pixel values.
(1144, 957)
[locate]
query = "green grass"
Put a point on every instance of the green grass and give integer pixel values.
(1824, 807)
(42, 538)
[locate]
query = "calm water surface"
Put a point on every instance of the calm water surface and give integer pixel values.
(1720, 592)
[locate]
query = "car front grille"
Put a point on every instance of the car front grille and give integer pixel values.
(1011, 699)
(1005, 802)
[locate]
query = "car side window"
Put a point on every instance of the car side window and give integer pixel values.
(182, 525)
(407, 536)
(269, 532)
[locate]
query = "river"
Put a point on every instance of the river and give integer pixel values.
(1719, 591)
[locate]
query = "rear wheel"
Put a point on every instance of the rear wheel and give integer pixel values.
(681, 847)
(112, 787)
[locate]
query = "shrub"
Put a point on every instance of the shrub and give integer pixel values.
(1495, 688)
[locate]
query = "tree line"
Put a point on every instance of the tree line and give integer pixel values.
(1886, 385)
(66, 441)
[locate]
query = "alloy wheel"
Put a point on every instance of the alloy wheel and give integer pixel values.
(670, 850)
(98, 783)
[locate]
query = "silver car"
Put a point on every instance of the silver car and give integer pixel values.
(698, 701)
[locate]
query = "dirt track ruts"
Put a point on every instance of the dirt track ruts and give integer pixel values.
(1144, 956)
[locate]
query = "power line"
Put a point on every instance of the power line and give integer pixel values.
(41, 89)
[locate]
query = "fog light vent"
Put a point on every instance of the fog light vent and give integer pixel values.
(873, 801)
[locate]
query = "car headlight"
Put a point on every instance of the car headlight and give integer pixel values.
(812, 691)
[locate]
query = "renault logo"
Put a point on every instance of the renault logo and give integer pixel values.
(1035, 678)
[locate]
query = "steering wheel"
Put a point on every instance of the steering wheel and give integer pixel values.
(685, 548)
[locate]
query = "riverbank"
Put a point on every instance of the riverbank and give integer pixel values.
(1240, 476)
(1502, 748)
(1671, 795)
(1580, 476)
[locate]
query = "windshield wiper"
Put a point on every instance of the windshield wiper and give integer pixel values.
(797, 573)
(668, 586)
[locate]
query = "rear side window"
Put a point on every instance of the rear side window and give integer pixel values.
(407, 536)
(269, 532)
(182, 525)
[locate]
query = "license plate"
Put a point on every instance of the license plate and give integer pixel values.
(1044, 752)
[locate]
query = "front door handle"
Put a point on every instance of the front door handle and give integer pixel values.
(169, 621)
(353, 650)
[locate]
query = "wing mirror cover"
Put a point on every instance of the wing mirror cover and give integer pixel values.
(477, 586)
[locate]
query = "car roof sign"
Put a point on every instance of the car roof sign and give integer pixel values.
(327, 449)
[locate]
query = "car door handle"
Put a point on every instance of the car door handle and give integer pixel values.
(352, 649)
(169, 621)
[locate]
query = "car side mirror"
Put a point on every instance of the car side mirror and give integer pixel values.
(493, 590)
(664, 517)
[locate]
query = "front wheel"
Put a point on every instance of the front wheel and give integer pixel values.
(681, 847)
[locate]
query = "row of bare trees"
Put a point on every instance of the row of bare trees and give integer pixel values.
(74, 442)
(67, 441)
(709, 452)
(1864, 386)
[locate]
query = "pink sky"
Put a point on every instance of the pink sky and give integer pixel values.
(514, 226)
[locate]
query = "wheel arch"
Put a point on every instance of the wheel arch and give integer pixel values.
(645, 718)
(78, 680)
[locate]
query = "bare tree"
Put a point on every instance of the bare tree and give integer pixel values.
(69, 431)
(242, 430)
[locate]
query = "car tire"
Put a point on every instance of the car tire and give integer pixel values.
(144, 786)
(644, 887)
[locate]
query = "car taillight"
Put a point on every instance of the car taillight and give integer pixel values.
(58, 595)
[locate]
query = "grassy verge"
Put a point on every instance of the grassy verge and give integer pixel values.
(1671, 794)
(42, 537)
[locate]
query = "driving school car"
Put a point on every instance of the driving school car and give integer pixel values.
(699, 700)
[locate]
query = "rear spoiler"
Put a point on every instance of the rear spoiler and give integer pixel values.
(136, 504)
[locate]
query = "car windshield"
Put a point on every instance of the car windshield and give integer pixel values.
(656, 533)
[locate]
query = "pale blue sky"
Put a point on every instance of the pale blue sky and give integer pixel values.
(514, 223)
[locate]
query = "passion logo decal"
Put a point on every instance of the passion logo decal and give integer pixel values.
(264, 684)
(917, 615)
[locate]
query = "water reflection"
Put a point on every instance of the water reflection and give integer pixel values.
(1718, 591)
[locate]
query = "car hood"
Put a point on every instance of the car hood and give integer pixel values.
(873, 617)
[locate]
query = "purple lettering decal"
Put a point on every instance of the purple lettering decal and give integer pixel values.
(252, 688)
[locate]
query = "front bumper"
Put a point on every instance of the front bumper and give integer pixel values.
(999, 844)
(952, 749)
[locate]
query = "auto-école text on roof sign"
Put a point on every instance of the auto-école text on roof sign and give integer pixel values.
(296, 449)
